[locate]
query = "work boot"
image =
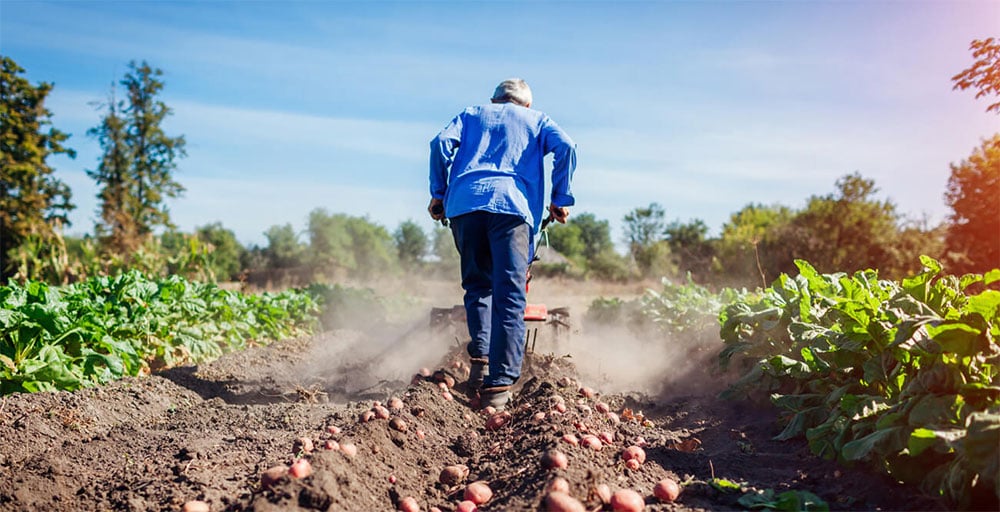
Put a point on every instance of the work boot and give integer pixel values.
(497, 397)
(479, 368)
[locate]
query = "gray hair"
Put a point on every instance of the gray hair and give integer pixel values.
(513, 90)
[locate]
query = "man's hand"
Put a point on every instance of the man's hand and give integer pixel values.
(559, 213)
(436, 209)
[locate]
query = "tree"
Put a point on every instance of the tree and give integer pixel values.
(226, 251)
(973, 194)
(690, 247)
(842, 232)
(739, 247)
(33, 203)
(340, 242)
(283, 247)
(135, 173)
(594, 234)
(984, 75)
(644, 228)
(411, 244)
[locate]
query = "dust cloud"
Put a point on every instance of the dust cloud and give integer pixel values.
(373, 357)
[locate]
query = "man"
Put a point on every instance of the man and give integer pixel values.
(487, 176)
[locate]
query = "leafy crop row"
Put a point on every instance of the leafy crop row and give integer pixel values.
(65, 338)
(905, 375)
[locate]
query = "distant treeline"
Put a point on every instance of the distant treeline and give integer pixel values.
(843, 231)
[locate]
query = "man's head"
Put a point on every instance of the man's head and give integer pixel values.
(513, 90)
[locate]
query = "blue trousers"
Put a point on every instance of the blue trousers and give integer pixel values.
(494, 251)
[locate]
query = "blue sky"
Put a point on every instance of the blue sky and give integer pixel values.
(703, 107)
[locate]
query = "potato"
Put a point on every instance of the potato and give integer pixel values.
(498, 420)
(196, 506)
(366, 416)
(453, 474)
(273, 475)
(301, 468)
(586, 392)
(478, 492)
(570, 439)
(466, 506)
(395, 404)
(331, 445)
(559, 501)
(409, 504)
(627, 500)
(603, 493)
(591, 441)
(554, 459)
(633, 464)
(333, 429)
(397, 424)
(634, 452)
(420, 434)
(349, 449)
(558, 484)
(602, 407)
(666, 490)
(606, 437)
(538, 417)
(381, 412)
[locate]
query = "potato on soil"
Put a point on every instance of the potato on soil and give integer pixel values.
(395, 404)
(331, 445)
(634, 452)
(586, 392)
(603, 493)
(381, 412)
(558, 501)
(273, 475)
(349, 449)
(554, 459)
(478, 492)
(498, 420)
(666, 490)
(558, 484)
(366, 416)
(627, 500)
(466, 506)
(453, 474)
(570, 439)
(196, 506)
(301, 468)
(409, 504)
(633, 464)
(397, 424)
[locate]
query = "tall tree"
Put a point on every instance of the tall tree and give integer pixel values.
(411, 243)
(644, 230)
(690, 247)
(984, 74)
(136, 170)
(33, 203)
(973, 195)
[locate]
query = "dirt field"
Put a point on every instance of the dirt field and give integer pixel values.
(208, 432)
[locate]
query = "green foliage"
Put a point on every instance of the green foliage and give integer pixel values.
(984, 74)
(135, 171)
(902, 374)
(973, 195)
(284, 250)
(33, 204)
(444, 250)
(65, 338)
(411, 244)
(342, 243)
(790, 501)
(690, 248)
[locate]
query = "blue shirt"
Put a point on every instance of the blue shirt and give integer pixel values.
(490, 158)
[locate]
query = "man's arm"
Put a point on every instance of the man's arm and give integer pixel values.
(442, 154)
(557, 142)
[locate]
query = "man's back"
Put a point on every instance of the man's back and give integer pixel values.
(495, 160)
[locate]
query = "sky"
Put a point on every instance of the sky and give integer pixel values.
(703, 107)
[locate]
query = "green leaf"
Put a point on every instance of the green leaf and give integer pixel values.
(881, 442)
(955, 337)
(724, 485)
(991, 277)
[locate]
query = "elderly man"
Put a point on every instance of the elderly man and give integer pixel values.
(488, 177)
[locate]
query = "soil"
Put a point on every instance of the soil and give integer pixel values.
(208, 432)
